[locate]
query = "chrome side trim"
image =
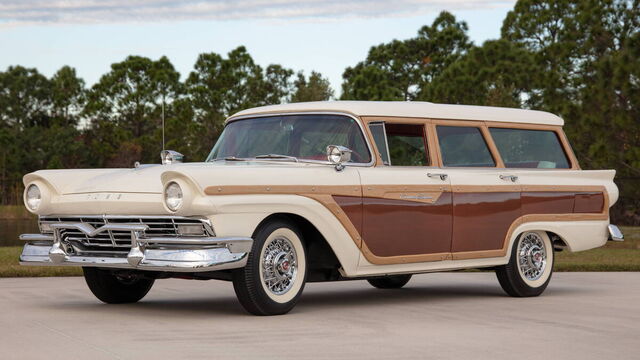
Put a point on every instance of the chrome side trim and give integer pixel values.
(615, 234)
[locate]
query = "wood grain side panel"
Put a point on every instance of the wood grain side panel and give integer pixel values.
(398, 227)
(480, 220)
(591, 202)
(544, 202)
(325, 196)
(352, 207)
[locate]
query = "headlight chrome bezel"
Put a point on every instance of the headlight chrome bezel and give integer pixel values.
(173, 196)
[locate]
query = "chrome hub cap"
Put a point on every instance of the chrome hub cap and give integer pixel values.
(532, 256)
(279, 265)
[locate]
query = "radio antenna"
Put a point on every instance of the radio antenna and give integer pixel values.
(163, 122)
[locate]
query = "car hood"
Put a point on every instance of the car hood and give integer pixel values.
(149, 178)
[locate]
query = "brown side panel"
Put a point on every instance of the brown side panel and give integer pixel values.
(481, 220)
(547, 202)
(591, 202)
(352, 207)
(399, 227)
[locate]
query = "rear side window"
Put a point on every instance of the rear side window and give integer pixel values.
(520, 148)
(463, 146)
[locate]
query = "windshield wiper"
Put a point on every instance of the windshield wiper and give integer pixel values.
(277, 156)
(231, 158)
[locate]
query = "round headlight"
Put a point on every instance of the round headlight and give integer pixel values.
(173, 196)
(34, 197)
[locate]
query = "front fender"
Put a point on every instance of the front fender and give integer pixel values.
(240, 215)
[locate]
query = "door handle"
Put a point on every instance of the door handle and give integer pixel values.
(442, 177)
(513, 178)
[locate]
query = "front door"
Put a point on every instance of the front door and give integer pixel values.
(407, 203)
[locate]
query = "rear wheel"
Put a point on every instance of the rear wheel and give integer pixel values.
(390, 282)
(530, 267)
(113, 288)
(276, 270)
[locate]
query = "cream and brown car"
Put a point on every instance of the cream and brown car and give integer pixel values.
(327, 191)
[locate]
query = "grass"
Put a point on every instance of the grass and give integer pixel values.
(9, 266)
(13, 212)
(614, 256)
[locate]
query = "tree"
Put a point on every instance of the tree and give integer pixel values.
(219, 87)
(588, 53)
(131, 97)
(68, 96)
(316, 88)
(496, 74)
(400, 69)
(25, 98)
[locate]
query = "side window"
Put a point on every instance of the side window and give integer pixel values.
(400, 144)
(463, 146)
(380, 138)
(407, 145)
(521, 148)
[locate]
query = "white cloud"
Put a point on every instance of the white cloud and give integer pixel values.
(15, 12)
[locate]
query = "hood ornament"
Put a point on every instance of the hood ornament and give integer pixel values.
(169, 157)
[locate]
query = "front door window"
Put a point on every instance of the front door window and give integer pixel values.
(401, 144)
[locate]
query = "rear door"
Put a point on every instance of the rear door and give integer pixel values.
(486, 202)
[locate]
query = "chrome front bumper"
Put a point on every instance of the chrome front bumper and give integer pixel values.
(171, 254)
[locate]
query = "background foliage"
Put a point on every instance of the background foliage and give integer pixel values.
(578, 59)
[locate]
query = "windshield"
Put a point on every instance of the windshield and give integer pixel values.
(304, 137)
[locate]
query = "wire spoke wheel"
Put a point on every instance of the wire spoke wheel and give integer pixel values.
(530, 265)
(532, 256)
(279, 265)
(276, 270)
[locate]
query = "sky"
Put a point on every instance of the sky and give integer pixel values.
(321, 35)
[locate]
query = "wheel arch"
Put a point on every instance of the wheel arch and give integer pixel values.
(321, 259)
(570, 235)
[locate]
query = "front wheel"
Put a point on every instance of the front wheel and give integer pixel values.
(530, 267)
(276, 270)
(113, 288)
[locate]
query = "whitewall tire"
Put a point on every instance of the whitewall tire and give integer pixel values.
(276, 270)
(530, 266)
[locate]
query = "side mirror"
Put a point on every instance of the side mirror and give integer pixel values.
(338, 155)
(170, 157)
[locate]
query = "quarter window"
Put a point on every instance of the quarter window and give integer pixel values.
(464, 146)
(380, 138)
(521, 148)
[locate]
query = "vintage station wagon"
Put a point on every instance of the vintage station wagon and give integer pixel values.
(327, 191)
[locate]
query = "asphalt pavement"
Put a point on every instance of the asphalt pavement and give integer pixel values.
(436, 316)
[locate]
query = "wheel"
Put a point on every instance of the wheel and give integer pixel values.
(116, 289)
(276, 270)
(390, 282)
(530, 266)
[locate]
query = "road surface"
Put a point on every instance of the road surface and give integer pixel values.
(437, 316)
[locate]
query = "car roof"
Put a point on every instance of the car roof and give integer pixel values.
(415, 109)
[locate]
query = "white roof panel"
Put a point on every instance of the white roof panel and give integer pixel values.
(412, 109)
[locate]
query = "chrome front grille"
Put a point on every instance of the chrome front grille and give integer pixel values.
(120, 241)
